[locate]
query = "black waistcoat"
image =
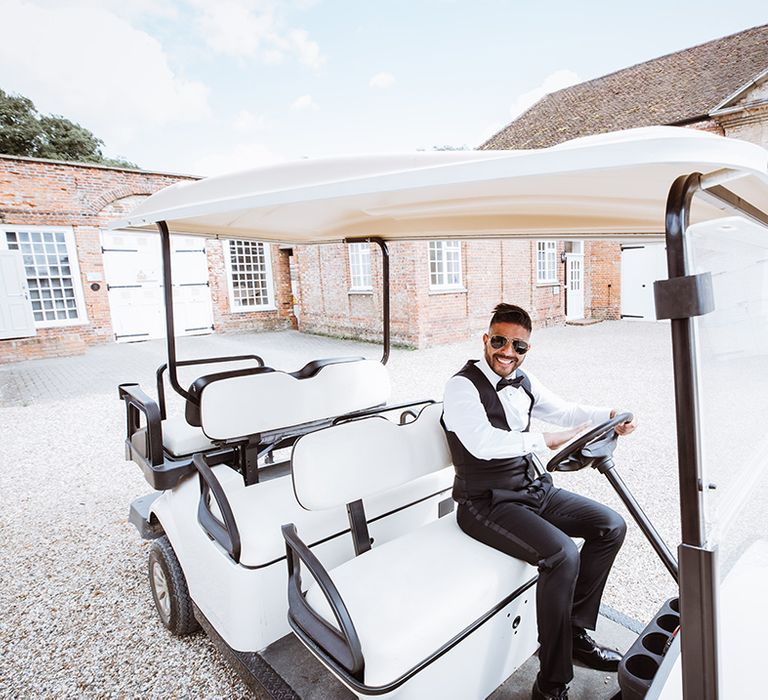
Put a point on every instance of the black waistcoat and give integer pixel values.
(474, 476)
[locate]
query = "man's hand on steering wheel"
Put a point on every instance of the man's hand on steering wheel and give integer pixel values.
(560, 437)
(623, 428)
(595, 447)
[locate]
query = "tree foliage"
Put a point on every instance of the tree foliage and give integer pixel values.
(25, 132)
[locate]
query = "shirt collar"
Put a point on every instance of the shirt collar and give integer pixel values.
(490, 375)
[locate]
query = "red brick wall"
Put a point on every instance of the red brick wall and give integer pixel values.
(84, 197)
(226, 321)
(492, 271)
(328, 307)
(87, 198)
(602, 291)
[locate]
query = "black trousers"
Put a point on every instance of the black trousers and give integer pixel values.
(539, 530)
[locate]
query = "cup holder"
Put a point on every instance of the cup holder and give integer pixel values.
(655, 642)
(668, 622)
(642, 666)
(675, 605)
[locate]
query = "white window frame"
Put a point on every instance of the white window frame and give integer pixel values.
(438, 255)
(74, 270)
(234, 305)
(360, 267)
(546, 262)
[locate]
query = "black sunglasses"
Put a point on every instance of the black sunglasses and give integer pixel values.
(499, 341)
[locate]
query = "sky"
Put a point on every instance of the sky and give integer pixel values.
(209, 86)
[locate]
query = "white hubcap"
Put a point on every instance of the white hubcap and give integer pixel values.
(162, 594)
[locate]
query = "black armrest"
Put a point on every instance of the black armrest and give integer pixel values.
(137, 401)
(313, 367)
(225, 533)
(384, 408)
(343, 647)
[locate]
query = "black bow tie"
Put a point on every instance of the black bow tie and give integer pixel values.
(514, 383)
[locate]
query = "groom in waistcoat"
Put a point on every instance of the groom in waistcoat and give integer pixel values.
(503, 503)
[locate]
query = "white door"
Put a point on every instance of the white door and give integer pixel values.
(192, 307)
(134, 273)
(16, 317)
(641, 266)
(574, 286)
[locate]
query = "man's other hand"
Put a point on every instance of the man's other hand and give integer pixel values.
(555, 440)
(623, 428)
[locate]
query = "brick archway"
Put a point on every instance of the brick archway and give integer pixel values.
(110, 197)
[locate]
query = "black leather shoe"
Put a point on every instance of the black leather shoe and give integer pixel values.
(538, 694)
(590, 653)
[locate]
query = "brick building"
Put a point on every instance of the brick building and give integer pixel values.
(68, 282)
(445, 290)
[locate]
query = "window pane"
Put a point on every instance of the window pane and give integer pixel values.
(546, 261)
(445, 263)
(360, 265)
(46, 269)
(249, 274)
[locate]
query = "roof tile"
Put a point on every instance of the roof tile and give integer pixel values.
(678, 88)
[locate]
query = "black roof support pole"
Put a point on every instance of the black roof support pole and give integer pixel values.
(385, 295)
(170, 332)
(686, 372)
(697, 565)
(697, 562)
(384, 289)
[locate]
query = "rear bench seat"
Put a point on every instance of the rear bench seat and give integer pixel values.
(233, 405)
(378, 620)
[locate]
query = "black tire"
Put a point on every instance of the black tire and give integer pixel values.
(169, 589)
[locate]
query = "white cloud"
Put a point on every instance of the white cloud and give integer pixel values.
(93, 67)
(248, 121)
(305, 103)
(234, 28)
(241, 157)
(247, 28)
(308, 51)
(382, 80)
(555, 81)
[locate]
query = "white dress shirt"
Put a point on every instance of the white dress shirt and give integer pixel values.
(464, 415)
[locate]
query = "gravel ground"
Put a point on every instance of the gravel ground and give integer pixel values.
(77, 615)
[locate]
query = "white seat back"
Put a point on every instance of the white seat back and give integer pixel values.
(235, 406)
(346, 462)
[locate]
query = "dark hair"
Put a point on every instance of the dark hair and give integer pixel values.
(509, 313)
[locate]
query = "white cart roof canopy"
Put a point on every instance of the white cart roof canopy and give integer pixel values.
(611, 185)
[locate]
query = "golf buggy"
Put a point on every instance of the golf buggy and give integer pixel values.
(351, 544)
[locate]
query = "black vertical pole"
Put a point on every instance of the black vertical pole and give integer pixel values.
(170, 333)
(385, 296)
(698, 572)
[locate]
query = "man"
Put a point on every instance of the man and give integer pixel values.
(488, 405)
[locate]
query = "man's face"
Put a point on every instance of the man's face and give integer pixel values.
(505, 360)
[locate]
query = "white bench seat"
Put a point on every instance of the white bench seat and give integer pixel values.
(235, 404)
(181, 439)
(410, 596)
(261, 508)
(431, 612)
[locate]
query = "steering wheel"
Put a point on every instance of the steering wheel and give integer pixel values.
(592, 449)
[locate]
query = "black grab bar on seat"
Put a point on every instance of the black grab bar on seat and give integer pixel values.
(342, 644)
(224, 531)
(201, 361)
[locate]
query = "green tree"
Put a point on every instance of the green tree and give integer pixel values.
(25, 132)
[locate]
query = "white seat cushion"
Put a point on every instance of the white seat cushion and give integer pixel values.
(255, 403)
(411, 595)
(180, 438)
(340, 464)
(260, 510)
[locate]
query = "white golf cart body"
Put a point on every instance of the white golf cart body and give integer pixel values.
(631, 185)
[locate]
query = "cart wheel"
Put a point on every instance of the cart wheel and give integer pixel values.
(169, 589)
